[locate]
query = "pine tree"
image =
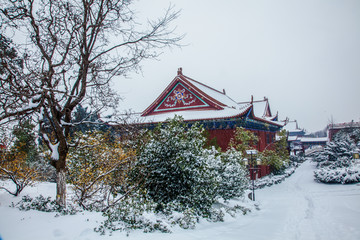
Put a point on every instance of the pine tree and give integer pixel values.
(18, 163)
(336, 164)
(85, 120)
(10, 62)
(25, 140)
(338, 153)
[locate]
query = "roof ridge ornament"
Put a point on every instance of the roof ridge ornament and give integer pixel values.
(179, 72)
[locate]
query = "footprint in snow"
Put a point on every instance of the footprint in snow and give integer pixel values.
(58, 233)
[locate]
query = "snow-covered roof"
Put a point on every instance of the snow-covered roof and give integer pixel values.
(194, 100)
(262, 109)
(306, 139)
(292, 126)
(311, 139)
(198, 115)
(293, 138)
(220, 96)
(344, 125)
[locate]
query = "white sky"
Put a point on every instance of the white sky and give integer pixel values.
(304, 55)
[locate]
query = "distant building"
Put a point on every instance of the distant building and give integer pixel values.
(298, 141)
(333, 128)
(309, 142)
(294, 134)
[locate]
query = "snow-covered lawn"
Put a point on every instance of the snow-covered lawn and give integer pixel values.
(298, 208)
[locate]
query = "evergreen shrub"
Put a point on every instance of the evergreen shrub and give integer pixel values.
(335, 163)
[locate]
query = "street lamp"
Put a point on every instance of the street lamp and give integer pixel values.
(356, 154)
(253, 167)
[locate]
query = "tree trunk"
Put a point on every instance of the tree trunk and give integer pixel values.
(61, 187)
(60, 165)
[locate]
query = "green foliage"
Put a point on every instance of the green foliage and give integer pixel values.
(339, 152)
(276, 162)
(43, 204)
(9, 59)
(25, 141)
(281, 146)
(298, 158)
(131, 214)
(336, 163)
(19, 162)
(97, 169)
(243, 140)
(232, 177)
(277, 157)
(86, 120)
(172, 167)
(177, 181)
(210, 142)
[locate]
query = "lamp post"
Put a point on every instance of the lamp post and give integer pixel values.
(253, 167)
(356, 154)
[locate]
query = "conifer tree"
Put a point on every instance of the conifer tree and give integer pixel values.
(18, 163)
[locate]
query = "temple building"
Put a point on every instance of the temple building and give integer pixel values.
(333, 128)
(299, 141)
(218, 113)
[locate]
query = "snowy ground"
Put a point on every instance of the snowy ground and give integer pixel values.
(298, 208)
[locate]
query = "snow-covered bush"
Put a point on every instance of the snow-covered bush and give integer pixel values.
(42, 204)
(232, 177)
(272, 179)
(178, 181)
(135, 212)
(336, 154)
(138, 212)
(341, 175)
(173, 167)
(299, 158)
(335, 162)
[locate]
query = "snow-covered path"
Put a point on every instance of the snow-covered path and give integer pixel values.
(298, 208)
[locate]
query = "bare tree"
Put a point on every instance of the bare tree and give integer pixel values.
(71, 51)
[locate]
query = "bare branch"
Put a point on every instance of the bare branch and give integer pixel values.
(71, 59)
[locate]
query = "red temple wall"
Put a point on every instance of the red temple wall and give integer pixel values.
(332, 132)
(223, 137)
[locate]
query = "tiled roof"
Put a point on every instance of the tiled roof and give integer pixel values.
(194, 115)
(219, 96)
(220, 105)
(344, 125)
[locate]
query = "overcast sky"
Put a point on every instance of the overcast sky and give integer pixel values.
(303, 55)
